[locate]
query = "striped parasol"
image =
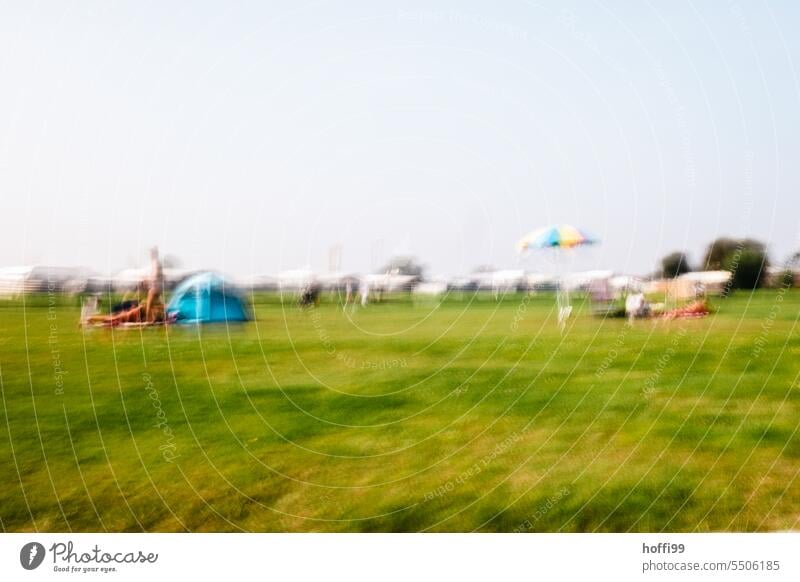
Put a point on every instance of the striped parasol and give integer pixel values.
(560, 235)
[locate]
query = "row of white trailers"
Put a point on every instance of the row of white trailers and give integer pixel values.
(38, 279)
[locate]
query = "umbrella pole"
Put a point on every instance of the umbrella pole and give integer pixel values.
(562, 294)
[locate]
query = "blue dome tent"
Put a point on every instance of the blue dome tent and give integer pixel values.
(206, 298)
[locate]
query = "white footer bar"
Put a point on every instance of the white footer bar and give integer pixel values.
(401, 557)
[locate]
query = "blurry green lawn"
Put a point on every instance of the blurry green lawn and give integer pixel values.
(459, 416)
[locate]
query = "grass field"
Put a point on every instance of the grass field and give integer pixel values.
(454, 416)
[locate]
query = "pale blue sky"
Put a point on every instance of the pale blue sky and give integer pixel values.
(250, 137)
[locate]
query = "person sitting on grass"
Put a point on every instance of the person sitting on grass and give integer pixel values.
(131, 298)
(636, 306)
(150, 311)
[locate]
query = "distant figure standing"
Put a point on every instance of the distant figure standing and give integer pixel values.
(699, 290)
(309, 295)
(348, 293)
(150, 312)
(156, 281)
(363, 291)
(635, 306)
(156, 271)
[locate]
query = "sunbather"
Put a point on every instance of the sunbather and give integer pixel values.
(697, 308)
(150, 311)
(131, 298)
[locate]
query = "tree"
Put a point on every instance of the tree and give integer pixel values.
(717, 252)
(674, 265)
(787, 278)
(792, 266)
(794, 261)
(745, 258)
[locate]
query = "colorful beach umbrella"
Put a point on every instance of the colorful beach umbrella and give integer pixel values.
(559, 235)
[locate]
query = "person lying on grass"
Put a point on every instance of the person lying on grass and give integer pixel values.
(150, 312)
(698, 308)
